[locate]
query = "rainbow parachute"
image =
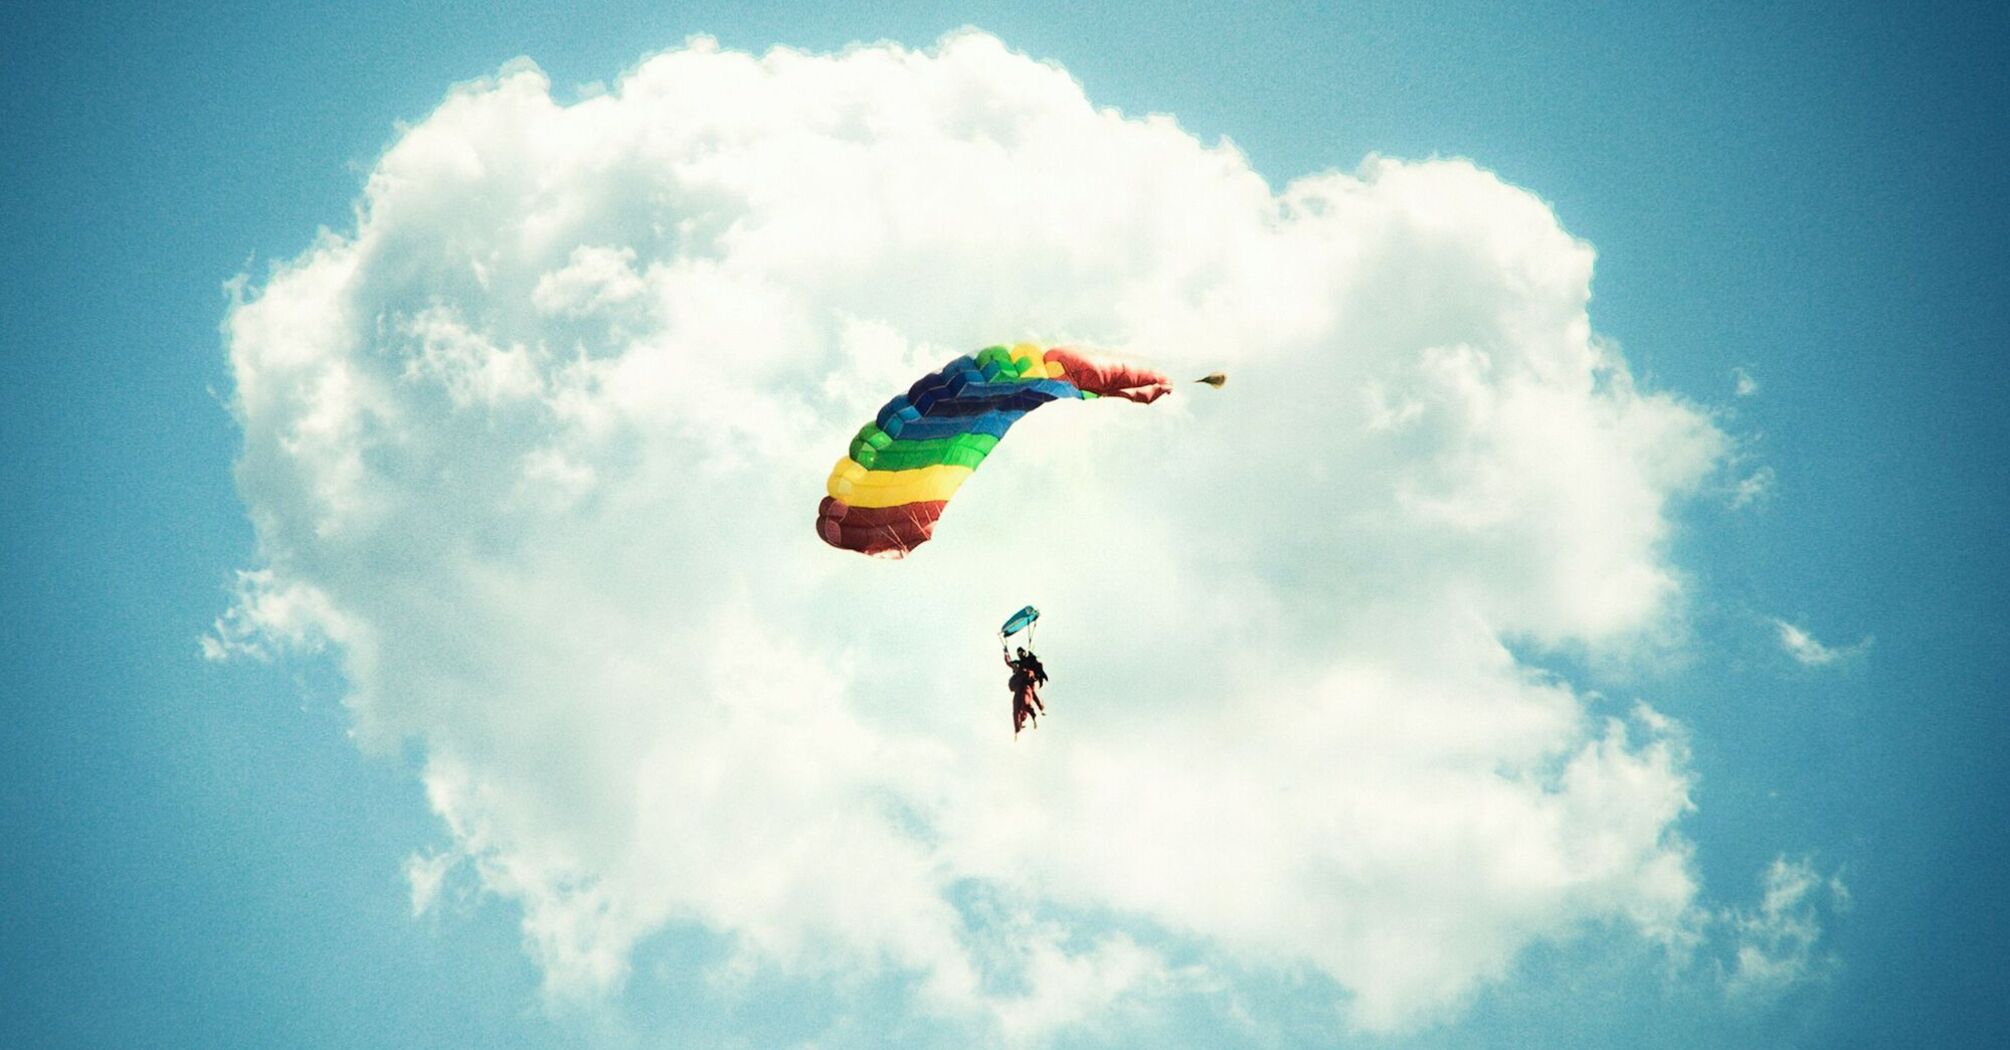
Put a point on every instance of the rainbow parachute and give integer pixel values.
(886, 495)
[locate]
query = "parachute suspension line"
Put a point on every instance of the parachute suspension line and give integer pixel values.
(1007, 646)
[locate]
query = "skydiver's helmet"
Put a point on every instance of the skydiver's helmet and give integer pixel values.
(1022, 652)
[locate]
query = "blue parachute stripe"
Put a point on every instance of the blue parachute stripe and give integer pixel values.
(992, 423)
(961, 398)
(994, 398)
(949, 378)
(896, 409)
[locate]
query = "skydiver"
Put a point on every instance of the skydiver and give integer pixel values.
(1021, 684)
(1027, 677)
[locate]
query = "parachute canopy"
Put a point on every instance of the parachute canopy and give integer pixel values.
(886, 494)
(1019, 621)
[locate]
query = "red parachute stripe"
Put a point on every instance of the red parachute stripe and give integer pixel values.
(881, 531)
(1106, 378)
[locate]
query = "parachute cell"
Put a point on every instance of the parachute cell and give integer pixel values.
(884, 497)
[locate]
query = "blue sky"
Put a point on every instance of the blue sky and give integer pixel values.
(200, 855)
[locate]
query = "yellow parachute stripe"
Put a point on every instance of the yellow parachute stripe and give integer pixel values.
(855, 485)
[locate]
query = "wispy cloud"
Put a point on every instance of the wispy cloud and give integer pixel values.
(426, 874)
(1810, 652)
(1776, 945)
(536, 448)
(1752, 488)
(1744, 385)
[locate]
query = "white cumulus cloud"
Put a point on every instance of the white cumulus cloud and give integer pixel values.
(536, 446)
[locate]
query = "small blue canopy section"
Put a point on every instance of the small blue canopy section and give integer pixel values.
(1020, 620)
